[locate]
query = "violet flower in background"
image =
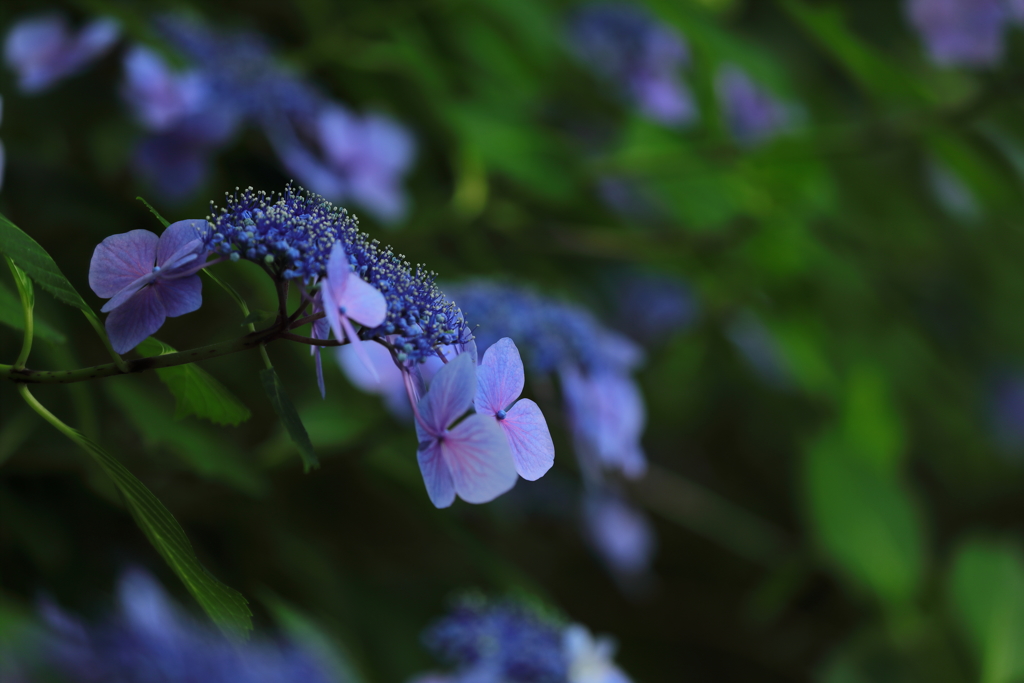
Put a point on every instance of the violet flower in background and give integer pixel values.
(753, 115)
(150, 638)
(962, 32)
(651, 307)
(43, 49)
(148, 279)
(1006, 414)
(512, 642)
(620, 533)
(625, 45)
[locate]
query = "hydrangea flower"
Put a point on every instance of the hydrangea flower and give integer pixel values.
(346, 297)
(42, 49)
(753, 115)
(501, 381)
(361, 157)
(471, 458)
(511, 642)
(293, 233)
(159, 96)
(620, 533)
(150, 638)
(625, 45)
(961, 32)
(148, 279)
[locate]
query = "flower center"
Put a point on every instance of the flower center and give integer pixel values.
(500, 414)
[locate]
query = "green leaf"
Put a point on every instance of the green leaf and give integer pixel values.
(866, 521)
(199, 447)
(34, 260)
(227, 607)
(154, 212)
(986, 590)
(11, 315)
(195, 391)
(285, 410)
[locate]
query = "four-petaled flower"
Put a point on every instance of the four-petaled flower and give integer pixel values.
(148, 279)
(472, 458)
(345, 297)
(501, 379)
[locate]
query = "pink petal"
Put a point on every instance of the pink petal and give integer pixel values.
(353, 339)
(500, 378)
(128, 292)
(331, 313)
(136, 319)
(388, 378)
(436, 476)
(479, 459)
(363, 302)
(181, 295)
(121, 259)
(319, 371)
(450, 395)
(529, 439)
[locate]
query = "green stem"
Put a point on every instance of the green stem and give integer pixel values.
(24, 286)
(48, 416)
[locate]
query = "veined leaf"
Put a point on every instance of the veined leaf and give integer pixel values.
(285, 410)
(195, 391)
(33, 259)
(226, 606)
(11, 315)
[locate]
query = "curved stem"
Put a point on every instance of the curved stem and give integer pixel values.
(25, 292)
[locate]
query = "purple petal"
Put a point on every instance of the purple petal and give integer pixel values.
(529, 439)
(180, 295)
(450, 395)
(479, 459)
(128, 292)
(353, 339)
(136, 319)
(500, 378)
(338, 131)
(621, 533)
(380, 194)
(159, 96)
(318, 362)
(331, 313)
(436, 476)
(120, 260)
(145, 605)
(337, 278)
(389, 143)
(363, 302)
(179, 240)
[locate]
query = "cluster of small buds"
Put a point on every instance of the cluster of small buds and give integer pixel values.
(514, 642)
(292, 234)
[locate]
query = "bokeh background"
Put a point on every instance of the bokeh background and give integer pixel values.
(805, 213)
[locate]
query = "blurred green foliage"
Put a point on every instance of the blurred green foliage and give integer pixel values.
(871, 465)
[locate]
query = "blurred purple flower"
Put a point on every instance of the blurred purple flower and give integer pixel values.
(625, 45)
(158, 96)
(42, 49)
(650, 307)
(606, 413)
(148, 279)
(151, 639)
(499, 641)
(471, 459)
(760, 349)
(1006, 409)
(501, 379)
(753, 115)
(961, 32)
(620, 533)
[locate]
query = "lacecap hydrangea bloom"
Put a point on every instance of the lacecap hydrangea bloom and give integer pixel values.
(346, 280)
(43, 49)
(623, 44)
(150, 638)
(964, 32)
(511, 642)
